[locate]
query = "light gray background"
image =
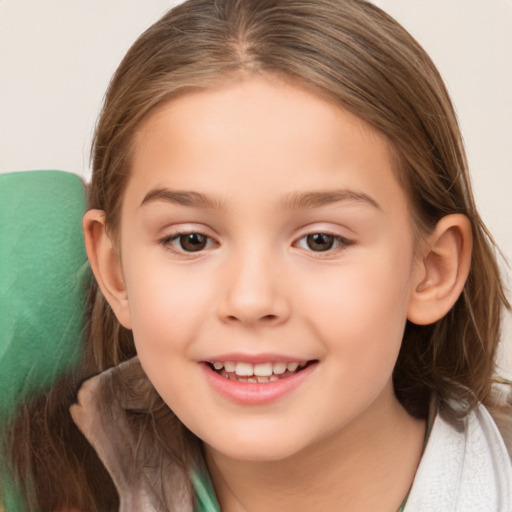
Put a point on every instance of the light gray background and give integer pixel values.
(57, 57)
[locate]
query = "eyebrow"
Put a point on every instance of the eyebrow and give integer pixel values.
(294, 201)
(181, 197)
(299, 201)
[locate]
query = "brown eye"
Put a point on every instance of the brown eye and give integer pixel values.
(320, 241)
(187, 243)
(192, 242)
(323, 242)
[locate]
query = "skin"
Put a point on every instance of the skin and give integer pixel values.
(252, 148)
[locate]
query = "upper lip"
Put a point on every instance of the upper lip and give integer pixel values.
(257, 358)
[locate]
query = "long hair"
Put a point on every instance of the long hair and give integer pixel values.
(356, 56)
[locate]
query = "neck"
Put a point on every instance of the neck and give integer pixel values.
(367, 465)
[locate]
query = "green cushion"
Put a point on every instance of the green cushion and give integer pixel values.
(43, 277)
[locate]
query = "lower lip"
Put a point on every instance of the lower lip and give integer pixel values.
(254, 393)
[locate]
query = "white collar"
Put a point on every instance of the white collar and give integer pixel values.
(466, 471)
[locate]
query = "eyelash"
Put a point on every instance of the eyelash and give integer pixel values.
(336, 242)
(340, 241)
(167, 242)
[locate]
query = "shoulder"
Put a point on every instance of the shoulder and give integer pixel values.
(464, 469)
(501, 411)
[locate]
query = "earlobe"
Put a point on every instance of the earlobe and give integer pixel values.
(443, 270)
(106, 264)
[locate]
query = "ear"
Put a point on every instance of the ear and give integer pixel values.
(106, 264)
(443, 270)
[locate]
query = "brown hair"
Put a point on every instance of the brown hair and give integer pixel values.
(358, 57)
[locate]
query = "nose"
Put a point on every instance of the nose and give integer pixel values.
(253, 292)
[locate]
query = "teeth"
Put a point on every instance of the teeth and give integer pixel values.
(229, 366)
(244, 369)
(279, 368)
(261, 372)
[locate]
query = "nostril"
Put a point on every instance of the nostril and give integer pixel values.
(266, 318)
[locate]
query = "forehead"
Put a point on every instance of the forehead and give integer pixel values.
(253, 103)
(257, 133)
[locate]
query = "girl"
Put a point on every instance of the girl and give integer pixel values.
(297, 305)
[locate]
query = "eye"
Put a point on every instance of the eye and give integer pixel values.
(188, 242)
(322, 242)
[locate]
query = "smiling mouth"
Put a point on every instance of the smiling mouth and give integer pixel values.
(258, 373)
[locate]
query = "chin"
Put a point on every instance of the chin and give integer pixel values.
(251, 453)
(255, 448)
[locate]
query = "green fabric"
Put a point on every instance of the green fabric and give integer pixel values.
(402, 506)
(43, 273)
(206, 500)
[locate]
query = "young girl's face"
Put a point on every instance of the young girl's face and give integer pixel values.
(263, 229)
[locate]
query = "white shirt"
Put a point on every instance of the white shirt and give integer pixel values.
(467, 471)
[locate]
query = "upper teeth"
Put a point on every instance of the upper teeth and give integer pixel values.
(259, 370)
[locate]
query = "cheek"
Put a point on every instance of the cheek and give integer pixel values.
(371, 292)
(360, 311)
(166, 305)
(167, 316)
